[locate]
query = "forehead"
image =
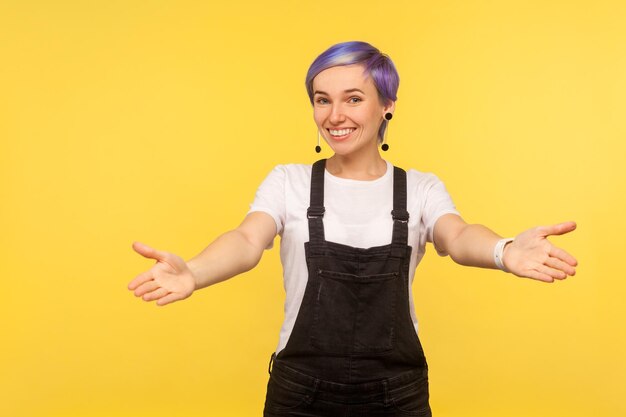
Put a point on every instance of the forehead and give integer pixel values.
(342, 78)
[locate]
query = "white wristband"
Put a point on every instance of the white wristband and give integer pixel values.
(498, 251)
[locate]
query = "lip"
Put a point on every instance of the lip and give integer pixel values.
(340, 138)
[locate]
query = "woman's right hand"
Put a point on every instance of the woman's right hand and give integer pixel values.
(169, 280)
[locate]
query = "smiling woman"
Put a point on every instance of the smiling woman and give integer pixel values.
(376, 68)
(353, 228)
(348, 118)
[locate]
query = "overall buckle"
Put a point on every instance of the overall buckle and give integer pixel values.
(314, 212)
(400, 215)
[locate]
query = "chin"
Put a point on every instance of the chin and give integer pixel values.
(342, 150)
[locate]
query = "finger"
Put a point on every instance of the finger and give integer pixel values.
(169, 298)
(156, 294)
(149, 252)
(557, 229)
(140, 279)
(560, 265)
(146, 287)
(539, 276)
(562, 255)
(551, 272)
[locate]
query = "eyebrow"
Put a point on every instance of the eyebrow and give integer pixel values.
(351, 90)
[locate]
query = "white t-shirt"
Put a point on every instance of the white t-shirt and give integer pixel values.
(358, 214)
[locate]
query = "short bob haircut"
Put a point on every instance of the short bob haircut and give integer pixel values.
(377, 65)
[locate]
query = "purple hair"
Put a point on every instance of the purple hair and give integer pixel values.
(378, 66)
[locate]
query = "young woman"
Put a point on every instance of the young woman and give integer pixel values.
(353, 228)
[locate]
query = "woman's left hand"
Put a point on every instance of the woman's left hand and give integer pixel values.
(531, 255)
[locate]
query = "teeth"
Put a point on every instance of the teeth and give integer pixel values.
(341, 132)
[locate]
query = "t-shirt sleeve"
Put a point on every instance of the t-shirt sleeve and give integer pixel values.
(270, 198)
(437, 203)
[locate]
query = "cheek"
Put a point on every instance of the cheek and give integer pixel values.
(374, 118)
(318, 116)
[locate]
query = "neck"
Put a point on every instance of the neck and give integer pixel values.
(366, 165)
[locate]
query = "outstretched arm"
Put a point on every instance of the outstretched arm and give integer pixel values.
(172, 279)
(234, 252)
(530, 255)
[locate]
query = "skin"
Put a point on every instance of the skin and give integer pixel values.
(344, 97)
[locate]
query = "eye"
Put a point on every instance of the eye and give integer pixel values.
(355, 99)
(321, 100)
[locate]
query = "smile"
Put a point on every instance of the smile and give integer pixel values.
(340, 133)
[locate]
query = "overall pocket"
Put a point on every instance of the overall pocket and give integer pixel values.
(354, 314)
(283, 395)
(412, 399)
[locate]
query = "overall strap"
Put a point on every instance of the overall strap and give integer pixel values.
(400, 215)
(315, 212)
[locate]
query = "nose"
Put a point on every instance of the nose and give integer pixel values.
(337, 115)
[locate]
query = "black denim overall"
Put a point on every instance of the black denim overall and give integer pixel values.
(353, 350)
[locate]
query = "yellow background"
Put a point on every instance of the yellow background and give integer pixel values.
(156, 121)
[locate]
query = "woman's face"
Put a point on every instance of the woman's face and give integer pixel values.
(346, 108)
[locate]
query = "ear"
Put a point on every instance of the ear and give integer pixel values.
(389, 107)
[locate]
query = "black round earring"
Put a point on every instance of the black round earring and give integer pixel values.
(318, 148)
(388, 117)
